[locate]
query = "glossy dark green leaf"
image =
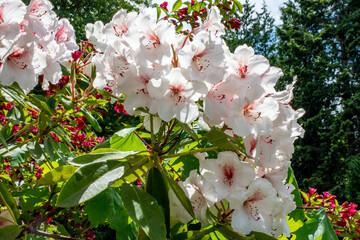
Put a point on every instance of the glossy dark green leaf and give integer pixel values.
(297, 214)
(88, 181)
(229, 233)
(67, 104)
(189, 130)
(65, 71)
(144, 210)
(35, 150)
(15, 115)
(57, 175)
(126, 140)
(219, 139)
(10, 232)
(100, 155)
(3, 140)
(156, 187)
(9, 202)
(317, 225)
(49, 149)
(91, 119)
(40, 102)
(177, 5)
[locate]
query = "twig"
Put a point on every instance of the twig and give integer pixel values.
(35, 224)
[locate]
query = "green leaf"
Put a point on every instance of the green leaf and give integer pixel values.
(15, 94)
(67, 104)
(101, 207)
(144, 210)
(59, 174)
(91, 119)
(180, 194)
(297, 214)
(15, 115)
(177, 5)
(156, 187)
(233, 10)
(261, 236)
(189, 131)
(231, 234)
(88, 181)
(180, 27)
(126, 140)
(40, 102)
(101, 155)
(317, 226)
(219, 139)
(49, 149)
(35, 150)
(10, 232)
(3, 141)
(239, 6)
(158, 12)
(9, 202)
(94, 101)
(65, 71)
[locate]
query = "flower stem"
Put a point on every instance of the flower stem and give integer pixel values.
(190, 152)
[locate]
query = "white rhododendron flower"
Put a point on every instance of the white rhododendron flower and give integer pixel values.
(227, 173)
(11, 15)
(175, 96)
(254, 207)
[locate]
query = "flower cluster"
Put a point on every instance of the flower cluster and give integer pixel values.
(196, 77)
(345, 218)
(33, 43)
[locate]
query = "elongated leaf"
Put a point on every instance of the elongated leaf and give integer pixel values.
(297, 214)
(10, 232)
(126, 140)
(180, 194)
(17, 96)
(317, 225)
(219, 139)
(88, 181)
(239, 6)
(49, 149)
(40, 102)
(59, 174)
(100, 155)
(3, 141)
(91, 119)
(15, 115)
(65, 71)
(156, 187)
(177, 5)
(95, 101)
(231, 234)
(189, 131)
(35, 150)
(9, 202)
(67, 104)
(144, 210)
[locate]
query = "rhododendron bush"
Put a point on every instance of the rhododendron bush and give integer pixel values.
(210, 157)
